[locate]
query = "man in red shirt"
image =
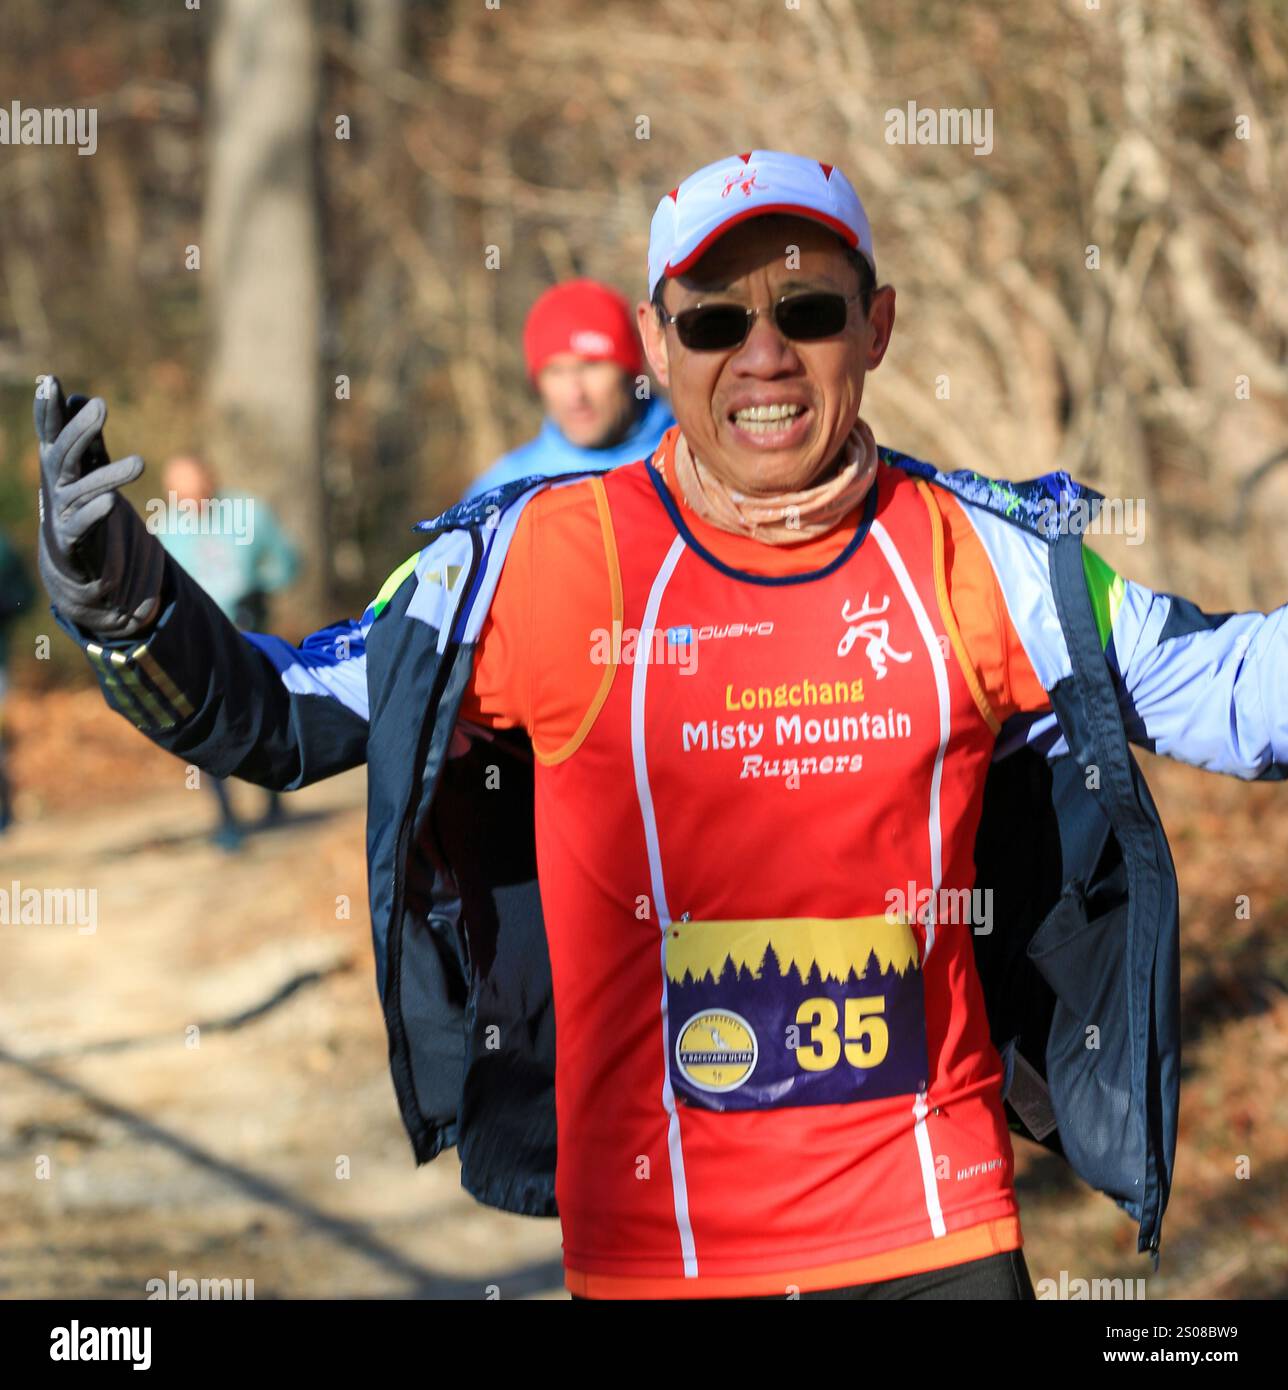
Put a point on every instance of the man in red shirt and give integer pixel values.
(758, 677)
(826, 1111)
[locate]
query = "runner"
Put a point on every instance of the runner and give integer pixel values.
(231, 544)
(698, 758)
(584, 360)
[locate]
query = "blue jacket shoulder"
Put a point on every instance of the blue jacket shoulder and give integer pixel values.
(1033, 503)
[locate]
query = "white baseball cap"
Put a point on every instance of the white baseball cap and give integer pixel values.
(729, 191)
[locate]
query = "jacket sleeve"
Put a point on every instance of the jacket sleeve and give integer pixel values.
(1203, 688)
(240, 704)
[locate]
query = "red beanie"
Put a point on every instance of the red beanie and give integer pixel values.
(583, 317)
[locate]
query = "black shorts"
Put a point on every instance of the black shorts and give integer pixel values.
(1002, 1277)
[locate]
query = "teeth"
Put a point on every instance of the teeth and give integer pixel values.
(762, 426)
(761, 413)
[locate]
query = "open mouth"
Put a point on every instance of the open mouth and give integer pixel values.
(776, 425)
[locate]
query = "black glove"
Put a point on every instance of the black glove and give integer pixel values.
(102, 567)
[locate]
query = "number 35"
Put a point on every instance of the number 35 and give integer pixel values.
(867, 1039)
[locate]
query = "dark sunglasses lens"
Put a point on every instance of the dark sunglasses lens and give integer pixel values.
(808, 316)
(711, 328)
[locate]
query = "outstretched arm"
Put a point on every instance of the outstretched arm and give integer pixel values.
(236, 704)
(232, 703)
(1204, 688)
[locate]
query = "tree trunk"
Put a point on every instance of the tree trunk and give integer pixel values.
(261, 260)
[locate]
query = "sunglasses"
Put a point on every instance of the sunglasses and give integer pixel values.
(804, 318)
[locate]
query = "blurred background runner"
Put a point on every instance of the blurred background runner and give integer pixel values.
(231, 544)
(583, 356)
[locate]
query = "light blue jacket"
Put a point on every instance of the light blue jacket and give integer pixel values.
(550, 453)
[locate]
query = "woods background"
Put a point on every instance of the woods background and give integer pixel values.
(549, 131)
(342, 170)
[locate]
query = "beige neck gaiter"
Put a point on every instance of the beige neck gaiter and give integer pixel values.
(785, 517)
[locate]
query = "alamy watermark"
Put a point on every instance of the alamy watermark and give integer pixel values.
(958, 907)
(629, 646)
(1094, 516)
(184, 1288)
(1132, 1290)
(74, 1342)
(940, 125)
(50, 125)
(173, 515)
(49, 907)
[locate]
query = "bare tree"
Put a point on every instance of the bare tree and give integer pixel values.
(262, 272)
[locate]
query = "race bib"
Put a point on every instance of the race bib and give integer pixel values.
(794, 1011)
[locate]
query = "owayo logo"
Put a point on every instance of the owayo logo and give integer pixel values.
(716, 1050)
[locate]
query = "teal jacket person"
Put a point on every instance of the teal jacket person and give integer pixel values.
(228, 541)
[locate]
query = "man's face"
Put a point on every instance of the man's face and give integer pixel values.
(592, 403)
(822, 379)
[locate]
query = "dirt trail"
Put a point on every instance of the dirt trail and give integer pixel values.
(221, 1159)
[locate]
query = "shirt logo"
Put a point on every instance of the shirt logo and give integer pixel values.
(875, 632)
(685, 634)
